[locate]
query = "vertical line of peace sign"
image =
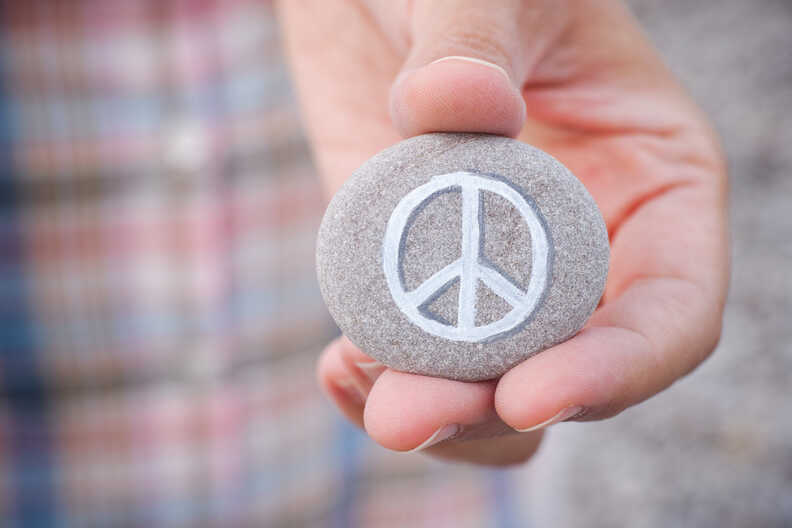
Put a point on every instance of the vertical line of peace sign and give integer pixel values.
(471, 267)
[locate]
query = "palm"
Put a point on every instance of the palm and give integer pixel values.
(646, 182)
(622, 125)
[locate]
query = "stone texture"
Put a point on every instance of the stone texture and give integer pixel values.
(445, 336)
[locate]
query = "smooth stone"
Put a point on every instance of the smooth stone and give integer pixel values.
(461, 255)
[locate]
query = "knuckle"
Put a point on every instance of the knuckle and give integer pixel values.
(485, 32)
(483, 40)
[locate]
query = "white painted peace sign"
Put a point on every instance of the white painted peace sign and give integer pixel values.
(471, 266)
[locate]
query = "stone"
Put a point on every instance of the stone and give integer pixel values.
(461, 255)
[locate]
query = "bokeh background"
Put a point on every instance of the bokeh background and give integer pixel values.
(159, 210)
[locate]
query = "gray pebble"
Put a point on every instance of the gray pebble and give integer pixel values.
(461, 255)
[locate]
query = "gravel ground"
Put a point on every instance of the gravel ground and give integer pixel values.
(716, 448)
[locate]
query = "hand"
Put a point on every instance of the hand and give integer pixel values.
(578, 79)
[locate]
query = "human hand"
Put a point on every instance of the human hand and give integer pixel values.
(577, 79)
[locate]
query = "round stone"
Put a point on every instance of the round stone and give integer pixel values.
(461, 255)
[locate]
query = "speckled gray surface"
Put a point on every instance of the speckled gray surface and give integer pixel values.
(558, 269)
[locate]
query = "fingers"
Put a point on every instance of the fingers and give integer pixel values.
(408, 411)
(445, 419)
(661, 318)
(466, 66)
(457, 94)
(631, 351)
(449, 419)
(347, 375)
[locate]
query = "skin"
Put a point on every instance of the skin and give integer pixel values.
(579, 80)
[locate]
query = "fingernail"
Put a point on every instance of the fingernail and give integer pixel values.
(475, 61)
(353, 392)
(565, 414)
(372, 369)
(444, 433)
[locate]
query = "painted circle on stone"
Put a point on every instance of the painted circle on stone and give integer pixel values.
(472, 266)
(413, 192)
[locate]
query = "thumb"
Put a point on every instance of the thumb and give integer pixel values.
(464, 70)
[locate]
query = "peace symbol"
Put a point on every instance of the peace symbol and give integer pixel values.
(471, 267)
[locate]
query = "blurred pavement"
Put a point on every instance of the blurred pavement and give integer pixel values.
(715, 449)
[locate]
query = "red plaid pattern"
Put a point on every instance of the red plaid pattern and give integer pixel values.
(162, 318)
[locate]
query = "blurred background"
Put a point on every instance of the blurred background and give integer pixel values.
(159, 317)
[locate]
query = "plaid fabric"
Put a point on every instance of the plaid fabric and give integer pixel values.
(159, 319)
